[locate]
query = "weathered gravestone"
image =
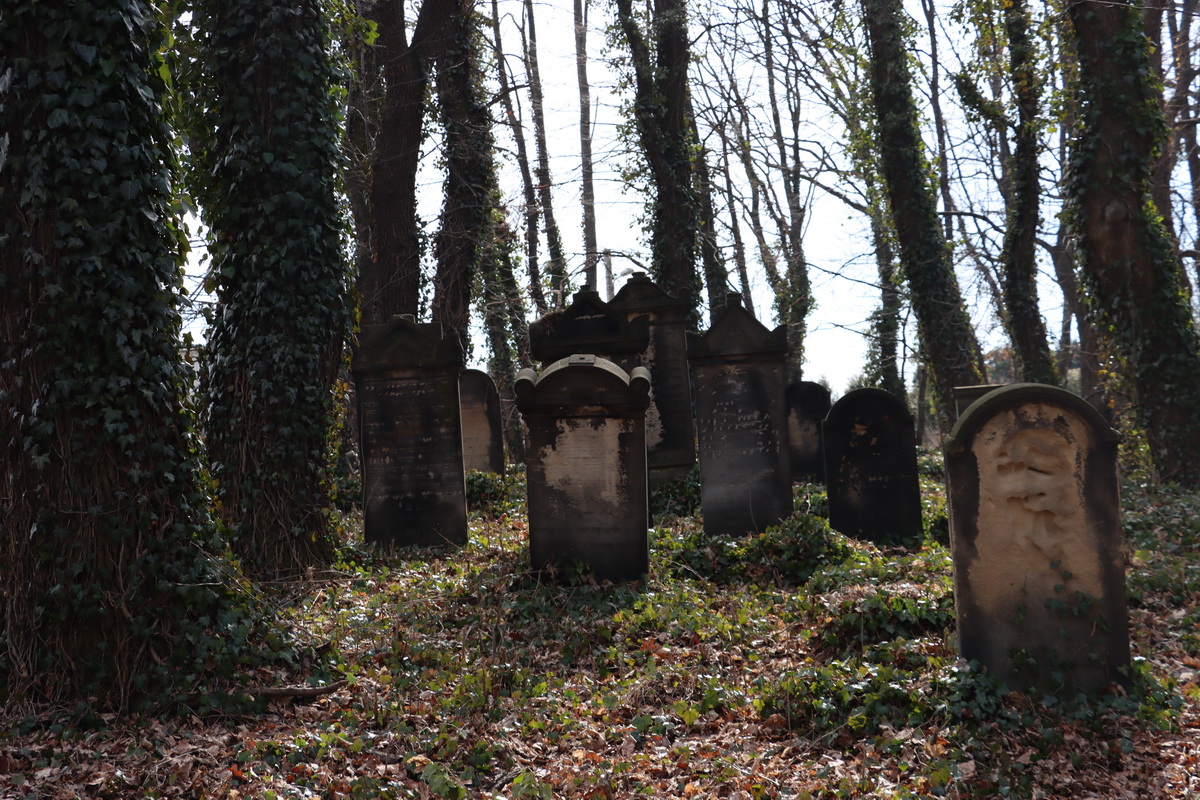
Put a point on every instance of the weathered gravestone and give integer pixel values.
(1035, 525)
(807, 405)
(965, 395)
(586, 465)
(670, 432)
(745, 474)
(871, 468)
(482, 427)
(406, 380)
(588, 325)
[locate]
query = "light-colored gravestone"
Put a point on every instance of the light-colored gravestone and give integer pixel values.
(745, 472)
(586, 466)
(871, 468)
(807, 405)
(590, 326)
(482, 426)
(406, 382)
(670, 430)
(1035, 527)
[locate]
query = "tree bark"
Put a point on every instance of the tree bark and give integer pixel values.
(953, 354)
(560, 281)
(106, 575)
(531, 204)
(470, 174)
(1128, 259)
(590, 252)
(392, 284)
(1022, 315)
(664, 135)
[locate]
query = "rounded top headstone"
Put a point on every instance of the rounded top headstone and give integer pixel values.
(996, 401)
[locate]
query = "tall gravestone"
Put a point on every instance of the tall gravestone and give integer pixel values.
(1035, 526)
(670, 431)
(586, 465)
(745, 473)
(590, 326)
(482, 426)
(807, 405)
(406, 381)
(871, 468)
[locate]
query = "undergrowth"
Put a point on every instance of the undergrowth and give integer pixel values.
(792, 663)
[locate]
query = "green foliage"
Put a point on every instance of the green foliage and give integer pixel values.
(263, 145)
(676, 498)
(112, 588)
(786, 554)
(491, 495)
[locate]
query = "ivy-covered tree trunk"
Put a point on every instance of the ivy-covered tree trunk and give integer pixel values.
(266, 156)
(1022, 317)
(664, 135)
(947, 339)
(1128, 261)
(469, 172)
(102, 523)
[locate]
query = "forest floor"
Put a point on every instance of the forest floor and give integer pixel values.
(792, 664)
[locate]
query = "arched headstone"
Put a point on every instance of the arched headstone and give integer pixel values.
(483, 429)
(586, 465)
(406, 382)
(871, 468)
(1035, 526)
(670, 431)
(807, 405)
(745, 474)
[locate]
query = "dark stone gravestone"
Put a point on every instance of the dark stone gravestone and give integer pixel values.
(586, 466)
(965, 395)
(871, 468)
(482, 427)
(406, 379)
(745, 474)
(588, 325)
(807, 405)
(670, 432)
(1035, 526)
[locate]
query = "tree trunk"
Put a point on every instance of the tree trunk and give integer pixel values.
(953, 354)
(660, 117)
(1022, 315)
(531, 203)
(392, 285)
(106, 582)
(469, 174)
(275, 346)
(590, 253)
(560, 281)
(1128, 259)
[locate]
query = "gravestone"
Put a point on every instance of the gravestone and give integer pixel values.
(965, 395)
(871, 468)
(588, 325)
(586, 466)
(670, 431)
(482, 426)
(406, 381)
(745, 474)
(807, 405)
(1035, 526)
